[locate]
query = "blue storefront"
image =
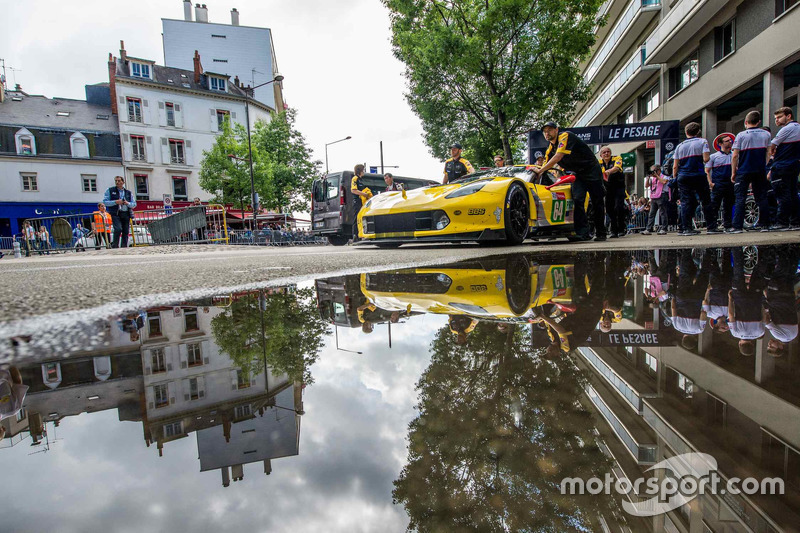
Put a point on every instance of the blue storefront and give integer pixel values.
(13, 214)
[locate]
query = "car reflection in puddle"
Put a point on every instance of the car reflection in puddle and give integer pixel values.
(507, 374)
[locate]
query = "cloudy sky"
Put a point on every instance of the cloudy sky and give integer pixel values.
(336, 57)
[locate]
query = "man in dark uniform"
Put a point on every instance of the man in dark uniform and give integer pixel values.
(615, 190)
(456, 167)
(574, 155)
(689, 166)
(120, 203)
(718, 170)
(361, 193)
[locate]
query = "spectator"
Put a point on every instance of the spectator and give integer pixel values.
(28, 237)
(102, 227)
(656, 183)
(201, 232)
(79, 234)
(43, 240)
(120, 203)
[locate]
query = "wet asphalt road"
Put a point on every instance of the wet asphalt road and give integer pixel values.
(42, 285)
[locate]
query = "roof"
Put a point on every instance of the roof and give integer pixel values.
(41, 112)
(171, 77)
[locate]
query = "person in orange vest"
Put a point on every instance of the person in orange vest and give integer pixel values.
(102, 227)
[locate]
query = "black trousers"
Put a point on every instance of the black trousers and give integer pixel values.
(615, 206)
(122, 224)
(591, 183)
(658, 207)
(784, 183)
(758, 180)
(690, 188)
(722, 195)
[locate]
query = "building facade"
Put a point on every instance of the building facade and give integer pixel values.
(705, 61)
(57, 156)
(167, 118)
(244, 51)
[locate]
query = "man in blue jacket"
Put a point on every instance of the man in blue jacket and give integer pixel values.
(120, 203)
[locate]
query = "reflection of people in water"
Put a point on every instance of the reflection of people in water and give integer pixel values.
(12, 394)
(688, 316)
(461, 326)
(614, 282)
(364, 314)
(662, 277)
(780, 312)
(745, 314)
(132, 323)
(715, 304)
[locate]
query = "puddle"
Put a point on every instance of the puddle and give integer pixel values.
(439, 398)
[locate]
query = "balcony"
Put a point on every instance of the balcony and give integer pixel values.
(680, 26)
(635, 17)
(627, 81)
(643, 453)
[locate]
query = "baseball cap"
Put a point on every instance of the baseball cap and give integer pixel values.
(719, 138)
(550, 124)
(456, 145)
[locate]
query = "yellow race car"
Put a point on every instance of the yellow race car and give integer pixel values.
(500, 204)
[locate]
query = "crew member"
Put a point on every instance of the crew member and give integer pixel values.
(689, 166)
(749, 168)
(391, 185)
(574, 155)
(456, 167)
(785, 150)
(361, 193)
(615, 191)
(499, 161)
(718, 172)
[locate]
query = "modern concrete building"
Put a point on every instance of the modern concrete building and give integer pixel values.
(244, 51)
(708, 61)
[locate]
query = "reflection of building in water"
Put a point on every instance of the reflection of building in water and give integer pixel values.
(88, 382)
(661, 401)
(191, 386)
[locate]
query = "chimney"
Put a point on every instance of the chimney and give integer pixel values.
(187, 10)
(200, 13)
(112, 82)
(198, 67)
(123, 54)
(236, 81)
(226, 477)
(234, 17)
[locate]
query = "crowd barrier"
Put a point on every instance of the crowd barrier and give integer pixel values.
(62, 233)
(270, 237)
(181, 225)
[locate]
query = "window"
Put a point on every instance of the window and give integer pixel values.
(220, 61)
(780, 458)
(219, 36)
(79, 147)
(157, 360)
(153, 322)
(137, 148)
(161, 395)
(179, 189)
(716, 411)
(103, 117)
(89, 182)
(142, 191)
(29, 182)
(21, 414)
(223, 117)
(242, 379)
(62, 113)
(242, 411)
(194, 390)
(25, 144)
(626, 117)
(190, 320)
(725, 40)
(782, 6)
(651, 364)
(170, 109)
(194, 354)
(649, 101)
(140, 70)
(686, 74)
(173, 429)
(52, 372)
(216, 84)
(177, 152)
(134, 110)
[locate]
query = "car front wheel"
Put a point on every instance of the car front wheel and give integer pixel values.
(516, 214)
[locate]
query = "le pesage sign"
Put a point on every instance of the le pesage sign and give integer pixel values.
(666, 131)
(637, 337)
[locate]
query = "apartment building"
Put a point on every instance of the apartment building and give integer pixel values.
(707, 61)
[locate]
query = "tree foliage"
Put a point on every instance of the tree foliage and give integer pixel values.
(283, 165)
(281, 329)
(498, 429)
(484, 72)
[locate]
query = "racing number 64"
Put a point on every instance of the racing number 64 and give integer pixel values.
(558, 212)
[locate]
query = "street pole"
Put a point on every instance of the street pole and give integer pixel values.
(381, 158)
(326, 150)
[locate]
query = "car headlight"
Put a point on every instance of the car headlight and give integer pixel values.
(466, 190)
(440, 220)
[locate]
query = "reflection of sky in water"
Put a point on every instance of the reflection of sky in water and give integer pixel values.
(100, 476)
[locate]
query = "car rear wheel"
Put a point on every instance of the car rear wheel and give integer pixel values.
(337, 240)
(516, 214)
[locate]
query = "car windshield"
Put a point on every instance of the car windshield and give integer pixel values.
(501, 172)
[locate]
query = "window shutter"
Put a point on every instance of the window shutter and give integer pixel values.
(201, 386)
(165, 150)
(184, 355)
(126, 146)
(252, 380)
(171, 392)
(213, 119)
(206, 348)
(148, 150)
(162, 114)
(168, 357)
(122, 109)
(146, 112)
(150, 398)
(178, 116)
(187, 388)
(147, 359)
(234, 380)
(187, 151)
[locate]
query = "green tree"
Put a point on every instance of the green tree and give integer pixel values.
(282, 329)
(498, 428)
(228, 179)
(484, 72)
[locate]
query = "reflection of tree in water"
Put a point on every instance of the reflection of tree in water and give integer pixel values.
(282, 327)
(498, 429)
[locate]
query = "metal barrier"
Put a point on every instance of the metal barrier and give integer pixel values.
(46, 235)
(270, 237)
(7, 243)
(181, 225)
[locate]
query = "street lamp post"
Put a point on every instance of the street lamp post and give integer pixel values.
(326, 151)
(254, 197)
